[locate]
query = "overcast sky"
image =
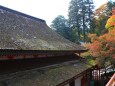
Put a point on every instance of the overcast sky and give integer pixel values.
(44, 9)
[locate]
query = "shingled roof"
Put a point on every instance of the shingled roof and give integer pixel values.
(19, 31)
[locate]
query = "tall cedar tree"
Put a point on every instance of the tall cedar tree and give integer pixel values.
(80, 12)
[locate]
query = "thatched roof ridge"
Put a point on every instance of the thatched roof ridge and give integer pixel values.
(19, 31)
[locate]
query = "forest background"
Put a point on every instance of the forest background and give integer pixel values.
(95, 28)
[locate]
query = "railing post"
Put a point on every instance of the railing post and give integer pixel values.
(111, 81)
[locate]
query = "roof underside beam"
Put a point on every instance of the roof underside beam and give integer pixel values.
(45, 52)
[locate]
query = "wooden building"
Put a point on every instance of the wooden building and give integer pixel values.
(26, 39)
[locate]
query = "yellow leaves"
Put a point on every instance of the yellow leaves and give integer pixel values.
(110, 23)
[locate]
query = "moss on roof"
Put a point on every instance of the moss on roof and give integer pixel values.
(22, 32)
(48, 76)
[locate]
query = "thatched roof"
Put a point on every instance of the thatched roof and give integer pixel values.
(19, 31)
(46, 76)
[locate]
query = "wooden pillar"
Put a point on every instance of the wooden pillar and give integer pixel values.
(91, 78)
(92, 74)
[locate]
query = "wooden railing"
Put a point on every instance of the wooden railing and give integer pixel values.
(111, 81)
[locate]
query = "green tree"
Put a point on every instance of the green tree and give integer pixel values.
(80, 12)
(60, 25)
(101, 16)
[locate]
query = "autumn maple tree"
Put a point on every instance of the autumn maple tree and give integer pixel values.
(103, 47)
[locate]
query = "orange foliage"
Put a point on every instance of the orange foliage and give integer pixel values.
(103, 46)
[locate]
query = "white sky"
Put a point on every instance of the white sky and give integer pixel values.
(44, 9)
